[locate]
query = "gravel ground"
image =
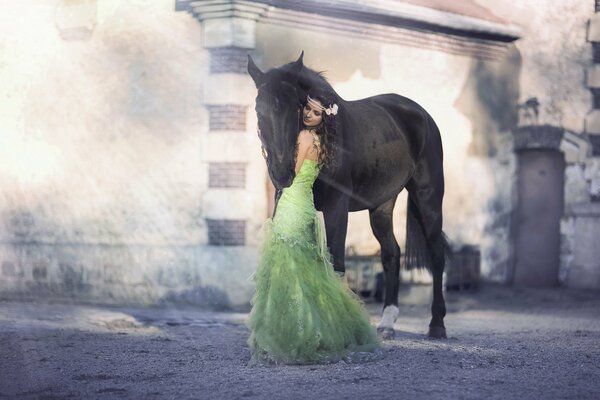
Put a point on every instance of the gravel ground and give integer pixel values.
(503, 343)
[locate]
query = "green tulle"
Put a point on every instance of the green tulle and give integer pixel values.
(302, 312)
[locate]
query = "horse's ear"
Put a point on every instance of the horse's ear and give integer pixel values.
(297, 67)
(256, 74)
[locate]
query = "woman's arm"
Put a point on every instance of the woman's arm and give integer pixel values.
(305, 140)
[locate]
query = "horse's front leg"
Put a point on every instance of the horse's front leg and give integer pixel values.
(382, 226)
(335, 215)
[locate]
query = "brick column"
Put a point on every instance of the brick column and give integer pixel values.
(231, 150)
(592, 123)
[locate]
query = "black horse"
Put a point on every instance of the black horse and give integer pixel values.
(384, 143)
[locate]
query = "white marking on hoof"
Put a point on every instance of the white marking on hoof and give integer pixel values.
(389, 317)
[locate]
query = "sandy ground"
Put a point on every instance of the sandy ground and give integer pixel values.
(503, 343)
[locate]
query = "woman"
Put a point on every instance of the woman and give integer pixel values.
(302, 312)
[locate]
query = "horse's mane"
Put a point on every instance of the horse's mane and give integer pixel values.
(307, 78)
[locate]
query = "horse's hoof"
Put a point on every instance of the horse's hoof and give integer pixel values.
(437, 332)
(386, 333)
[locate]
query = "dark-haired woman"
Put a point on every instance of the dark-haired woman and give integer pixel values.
(302, 312)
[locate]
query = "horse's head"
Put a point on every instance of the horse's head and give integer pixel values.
(278, 109)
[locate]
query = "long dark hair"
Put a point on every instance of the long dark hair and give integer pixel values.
(326, 130)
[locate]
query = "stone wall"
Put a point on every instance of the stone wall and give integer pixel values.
(104, 157)
(130, 169)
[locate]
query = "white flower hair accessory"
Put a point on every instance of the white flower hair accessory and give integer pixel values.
(332, 110)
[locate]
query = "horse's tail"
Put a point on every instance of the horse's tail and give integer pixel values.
(417, 253)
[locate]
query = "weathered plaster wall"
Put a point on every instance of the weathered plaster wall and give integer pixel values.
(102, 168)
(98, 135)
(555, 55)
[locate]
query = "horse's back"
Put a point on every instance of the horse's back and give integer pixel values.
(417, 123)
(386, 135)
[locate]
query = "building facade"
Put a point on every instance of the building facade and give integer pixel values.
(132, 170)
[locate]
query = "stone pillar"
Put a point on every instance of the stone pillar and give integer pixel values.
(592, 122)
(583, 219)
(233, 202)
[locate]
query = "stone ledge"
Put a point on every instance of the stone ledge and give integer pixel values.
(383, 12)
(538, 137)
(386, 20)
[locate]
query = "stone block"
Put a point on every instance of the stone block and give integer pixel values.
(228, 60)
(227, 117)
(576, 186)
(227, 204)
(223, 89)
(592, 168)
(223, 232)
(593, 76)
(229, 32)
(218, 148)
(594, 29)
(574, 146)
(592, 122)
(226, 175)
(587, 232)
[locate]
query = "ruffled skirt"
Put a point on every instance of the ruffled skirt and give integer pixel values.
(302, 312)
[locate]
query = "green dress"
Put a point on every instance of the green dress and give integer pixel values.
(301, 310)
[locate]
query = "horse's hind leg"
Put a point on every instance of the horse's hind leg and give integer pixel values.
(426, 190)
(381, 224)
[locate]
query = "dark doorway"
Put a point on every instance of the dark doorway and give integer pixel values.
(539, 210)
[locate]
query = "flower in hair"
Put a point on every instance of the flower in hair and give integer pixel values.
(332, 110)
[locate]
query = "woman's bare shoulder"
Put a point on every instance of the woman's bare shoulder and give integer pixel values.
(306, 133)
(305, 137)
